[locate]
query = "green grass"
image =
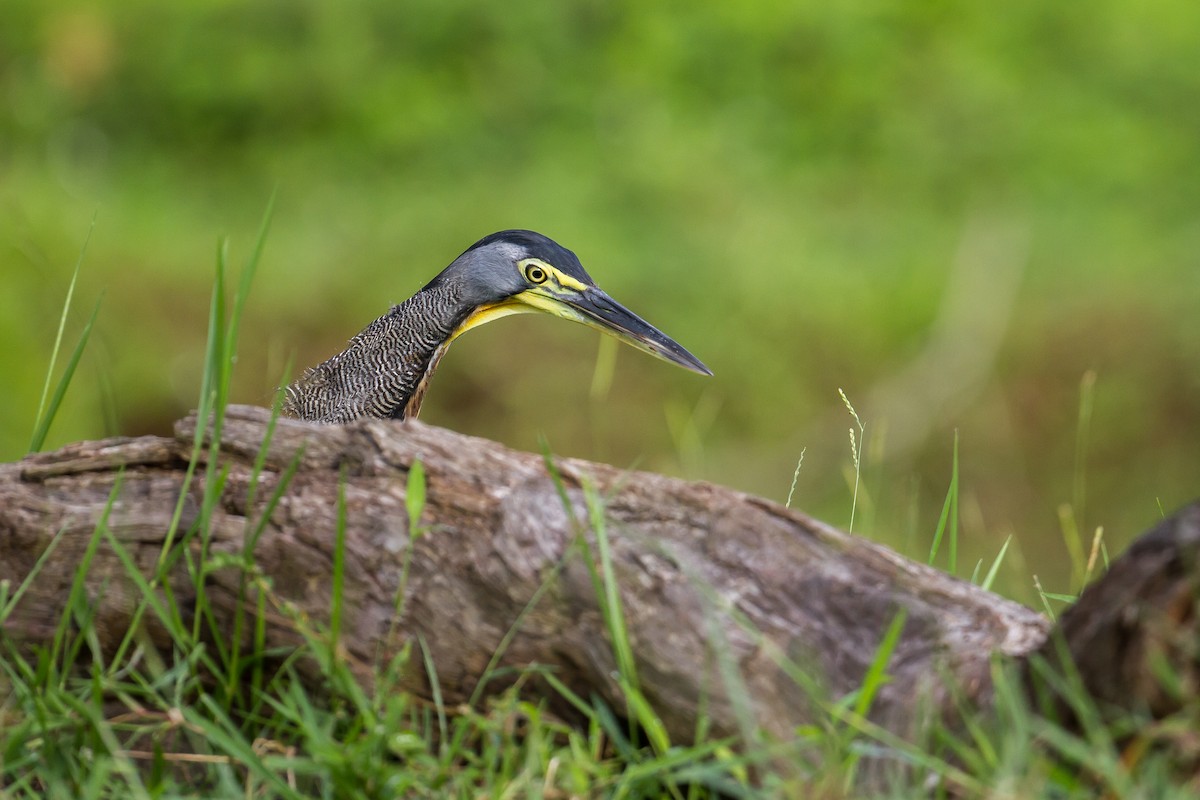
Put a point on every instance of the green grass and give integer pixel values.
(203, 719)
(50, 403)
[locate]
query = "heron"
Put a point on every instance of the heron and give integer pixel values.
(385, 370)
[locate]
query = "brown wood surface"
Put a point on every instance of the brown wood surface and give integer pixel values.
(1134, 627)
(726, 596)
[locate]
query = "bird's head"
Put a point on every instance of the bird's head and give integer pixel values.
(518, 271)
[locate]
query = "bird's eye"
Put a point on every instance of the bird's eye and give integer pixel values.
(535, 274)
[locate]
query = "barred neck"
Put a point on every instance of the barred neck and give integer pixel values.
(385, 369)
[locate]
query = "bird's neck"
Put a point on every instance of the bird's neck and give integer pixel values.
(385, 369)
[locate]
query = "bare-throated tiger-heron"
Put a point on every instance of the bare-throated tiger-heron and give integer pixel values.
(385, 369)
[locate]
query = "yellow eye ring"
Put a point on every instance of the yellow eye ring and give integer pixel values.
(535, 274)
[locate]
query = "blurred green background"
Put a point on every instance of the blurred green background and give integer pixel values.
(959, 213)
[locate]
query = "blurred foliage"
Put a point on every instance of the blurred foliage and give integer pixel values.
(950, 210)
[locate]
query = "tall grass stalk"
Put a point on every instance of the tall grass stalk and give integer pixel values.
(795, 478)
(855, 454)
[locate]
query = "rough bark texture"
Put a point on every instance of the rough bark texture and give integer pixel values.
(724, 594)
(1135, 626)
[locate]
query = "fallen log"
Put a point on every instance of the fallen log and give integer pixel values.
(1132, 639)
(727, 598)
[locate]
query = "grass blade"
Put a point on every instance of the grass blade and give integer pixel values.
(414, 497)
(949, 518)
(991, 573)
(42, 420)
(47, 412)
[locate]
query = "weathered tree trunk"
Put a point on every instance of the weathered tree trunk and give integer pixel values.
(727, 597)
(1135, 625)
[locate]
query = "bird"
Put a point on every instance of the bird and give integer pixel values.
(385, 370)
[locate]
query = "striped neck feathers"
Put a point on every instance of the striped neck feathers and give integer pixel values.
(384, 370)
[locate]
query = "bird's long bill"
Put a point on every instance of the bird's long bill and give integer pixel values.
(595, 308)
